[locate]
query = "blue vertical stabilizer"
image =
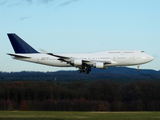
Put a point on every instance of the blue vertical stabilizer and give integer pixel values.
(19, 45)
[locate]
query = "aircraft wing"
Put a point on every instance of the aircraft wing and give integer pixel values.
(63, 57)
(107, 62)
(71, 60)
(66, 59)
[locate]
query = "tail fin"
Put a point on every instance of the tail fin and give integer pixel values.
(19, 45)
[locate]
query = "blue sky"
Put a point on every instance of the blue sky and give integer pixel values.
(72, 26)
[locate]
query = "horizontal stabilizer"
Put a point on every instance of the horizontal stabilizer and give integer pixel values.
(19, 56)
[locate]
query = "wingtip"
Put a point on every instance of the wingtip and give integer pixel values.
(43, 51)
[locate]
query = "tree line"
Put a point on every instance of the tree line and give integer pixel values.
(97, 95)
(116, 74)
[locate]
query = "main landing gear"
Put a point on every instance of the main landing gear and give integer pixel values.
(85, 70)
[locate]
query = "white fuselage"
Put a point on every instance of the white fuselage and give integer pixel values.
(116, 57)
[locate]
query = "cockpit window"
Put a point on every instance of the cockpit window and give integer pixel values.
(142, 51)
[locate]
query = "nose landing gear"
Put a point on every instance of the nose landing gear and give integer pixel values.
(138, 68)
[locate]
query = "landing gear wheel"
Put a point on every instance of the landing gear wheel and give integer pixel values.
(86, 72)
(88, 69)
(79, 71)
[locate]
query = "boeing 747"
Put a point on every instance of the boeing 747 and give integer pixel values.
(83, 61)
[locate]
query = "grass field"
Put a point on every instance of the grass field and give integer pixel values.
(60, 115)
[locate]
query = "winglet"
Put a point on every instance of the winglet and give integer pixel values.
(19, 45)
(43, 51)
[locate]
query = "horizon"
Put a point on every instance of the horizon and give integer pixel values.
(71, 70)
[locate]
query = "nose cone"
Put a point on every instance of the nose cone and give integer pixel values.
(147, 58)
(151, 58)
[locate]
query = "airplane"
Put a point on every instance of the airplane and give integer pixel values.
(83, 61)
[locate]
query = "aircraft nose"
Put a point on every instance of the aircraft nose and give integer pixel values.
(151, 58)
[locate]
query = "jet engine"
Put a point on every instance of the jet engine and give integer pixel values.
(77, 62)
(99, 65)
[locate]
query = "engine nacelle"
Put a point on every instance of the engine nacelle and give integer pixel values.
(99, 65)
(77, 62)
